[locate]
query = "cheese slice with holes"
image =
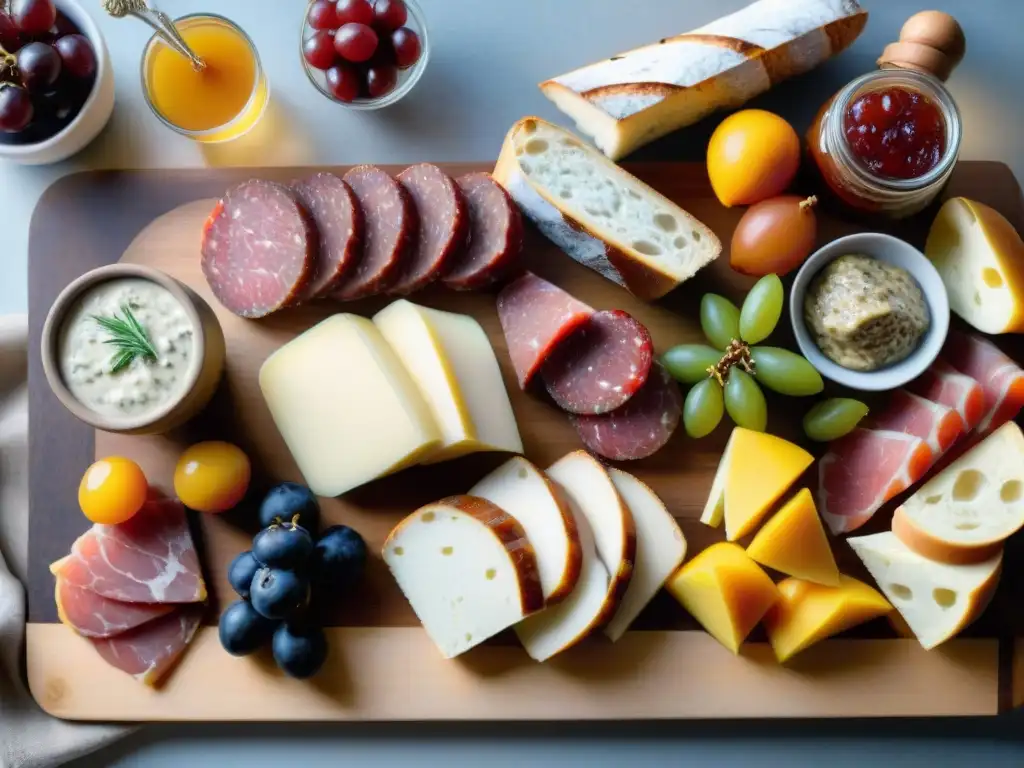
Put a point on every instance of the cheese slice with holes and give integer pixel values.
(467, 569)
(937, 600)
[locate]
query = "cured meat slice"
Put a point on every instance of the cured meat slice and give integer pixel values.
(149, 651)
(865, 469)
(389, 234)
(999, 376)
(443, 226)
(92, 615)
(640, 427)
(601, 366)
(258, 250)
(339, 223)
(945, 385)
(148, 559)
(496, 234)
(535, 317)
(938, 425)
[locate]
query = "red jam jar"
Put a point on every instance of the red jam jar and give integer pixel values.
(887, 143)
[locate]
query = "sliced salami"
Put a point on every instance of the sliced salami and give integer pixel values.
(601, 366)
(443, 226)
(496, 234)
(535, 317)
(339, 222)
(389, 232)
(640, 427)
(258, 248)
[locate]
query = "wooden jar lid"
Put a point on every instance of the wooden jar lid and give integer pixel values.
(930, 41)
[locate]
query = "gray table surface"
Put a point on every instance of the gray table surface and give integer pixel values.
(487, 56)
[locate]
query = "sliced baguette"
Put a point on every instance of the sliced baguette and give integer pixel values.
(602, 216)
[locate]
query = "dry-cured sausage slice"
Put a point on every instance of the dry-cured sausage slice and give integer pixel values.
(339, 222)
(535, 317)
(389, 233)
(443, 226)
(496, 234)
(258, 248)
(601, 366)
(640, 427)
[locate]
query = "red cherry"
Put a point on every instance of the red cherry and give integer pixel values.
(322, 16)
(354, 12)
(355, 42)
(381, 80)
(389, 14)
(407, 47)
(343, 82)
(318, 49)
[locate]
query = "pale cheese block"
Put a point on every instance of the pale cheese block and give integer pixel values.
(345, 405)
(451, 361)
(466, 568)
(526, 493)
(635, 97)
(937, 600)
(965, 512)
(602, 216)
(660, 549)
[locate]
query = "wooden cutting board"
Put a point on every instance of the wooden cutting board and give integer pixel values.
(382, 666)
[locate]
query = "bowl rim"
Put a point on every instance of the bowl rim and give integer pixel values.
(878, 245)
(54, 323)
(88, 28)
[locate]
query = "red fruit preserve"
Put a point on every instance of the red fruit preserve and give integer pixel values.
(896, 132)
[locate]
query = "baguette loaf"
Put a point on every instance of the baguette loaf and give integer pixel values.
(631, 99)
(602, 216)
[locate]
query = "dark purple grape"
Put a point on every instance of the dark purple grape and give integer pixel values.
(65, 26)
(389, 15)
(16, 108)
(40, 66)
(354, 12)
(407, 47)
(10, 38)
(381, 80)
(355, 42)
(77, 55)
(34, 17)
(318, 49)
(343, 81)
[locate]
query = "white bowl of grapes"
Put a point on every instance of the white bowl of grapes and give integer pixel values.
(56, 82)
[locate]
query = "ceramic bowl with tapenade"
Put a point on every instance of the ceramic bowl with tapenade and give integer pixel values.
(869, 311)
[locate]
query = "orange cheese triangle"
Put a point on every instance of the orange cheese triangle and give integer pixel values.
(793, 542)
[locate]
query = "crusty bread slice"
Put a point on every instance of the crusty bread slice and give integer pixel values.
(602, 216)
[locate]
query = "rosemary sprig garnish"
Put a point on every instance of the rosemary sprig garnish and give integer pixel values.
(129, 337)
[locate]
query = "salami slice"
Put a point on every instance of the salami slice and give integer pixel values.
(640, 427)
(601, 366)
(443, 226)
(496, 234)
(258, 248)
(339, 221)
(535, 317)
(389, 233)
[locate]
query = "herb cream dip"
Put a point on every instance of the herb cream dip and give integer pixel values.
(88, 359)
(864, 313)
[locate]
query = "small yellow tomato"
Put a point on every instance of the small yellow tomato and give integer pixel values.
(212, 476)
(752, 155)
(112, 490)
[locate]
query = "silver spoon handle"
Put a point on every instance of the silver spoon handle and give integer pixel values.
(164, 27)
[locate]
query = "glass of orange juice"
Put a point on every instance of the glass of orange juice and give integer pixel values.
(218, 103)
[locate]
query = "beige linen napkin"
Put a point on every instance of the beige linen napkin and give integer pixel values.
(29, 738)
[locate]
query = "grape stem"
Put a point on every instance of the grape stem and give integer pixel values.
(7, 60)
(737, 353)
(806, 205)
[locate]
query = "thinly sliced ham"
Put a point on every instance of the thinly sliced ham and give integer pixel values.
(945, 385)
(92, 615)
(148, 652)
(148, 559)
(938, 425)
(1000, 377)
(864, 470)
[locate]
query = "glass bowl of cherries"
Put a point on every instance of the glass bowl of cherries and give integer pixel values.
(364, 54)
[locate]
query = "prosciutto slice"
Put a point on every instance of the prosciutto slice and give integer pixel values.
(148, 559)
(149, 651)
(938, 425)
(999, 376)
(92, 615)
(945, 385)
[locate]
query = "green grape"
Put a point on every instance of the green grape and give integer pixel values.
(745, 402)
(720, 320)
(689, 363)
(833, 418)
(703, 408)
(761, 309)
(785, 372)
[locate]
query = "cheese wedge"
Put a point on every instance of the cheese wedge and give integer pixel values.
(660, 549)
(980, 257)
(807, 613)
(724, 590)
(452, 362)
(526, 493)
(346, 406)
(793, 542)
(964, 513)
(937, 600)
(467, 569)
(755, 470)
